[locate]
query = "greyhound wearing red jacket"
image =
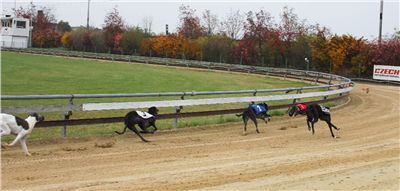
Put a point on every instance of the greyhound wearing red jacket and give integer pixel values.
(313, 112)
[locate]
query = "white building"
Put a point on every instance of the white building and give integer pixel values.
(15, 32)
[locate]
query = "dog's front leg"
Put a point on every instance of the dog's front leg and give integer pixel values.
(308, 124)
(24, 147)
(266, 118)
(312, 127)
(155, 128)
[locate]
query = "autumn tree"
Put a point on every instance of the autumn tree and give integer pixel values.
(147, 25)
(146, 47)
(259, 33)
(233, 24)
(218, 48)
(87, 41)
(66, 40)
(172, 46)
(63, 26)
(131, 40)
(290, 29)
(77, 38)
(191, 50)
(345, 54)
(166, 46)
(189, 26)
(245, 52)
(98, 41)
(387, 52)
(43, 22)
(29, 12)
(319, 49)
(162, 46)
(113, 26)
(209, 22)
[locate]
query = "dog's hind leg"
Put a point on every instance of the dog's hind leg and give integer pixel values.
(245, 120)
(253, 118)
(18, 138)
(4, 129)
(123, 131)
(334, 126)
(133, 128)
(312, 127)
(330, 128)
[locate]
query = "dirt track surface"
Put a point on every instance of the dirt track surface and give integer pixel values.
(283, 156)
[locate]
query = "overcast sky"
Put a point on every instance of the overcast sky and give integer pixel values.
(359, 18)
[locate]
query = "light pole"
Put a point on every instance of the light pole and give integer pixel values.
(30, 31)
(87, 19)
(380, 22)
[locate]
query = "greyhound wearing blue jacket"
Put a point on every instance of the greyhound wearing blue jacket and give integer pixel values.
(253, 112)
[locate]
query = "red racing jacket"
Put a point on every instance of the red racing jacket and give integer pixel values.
(302, 106)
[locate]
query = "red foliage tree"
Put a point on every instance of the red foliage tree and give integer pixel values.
(117, 41)
(190, 26)
(113, 25)
(246, 53)
(261, 35)
(290, 29)
(43, 22)
(385, 53)
(87, 41)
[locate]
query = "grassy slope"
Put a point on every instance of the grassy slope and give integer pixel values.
(34, 74)
(24, 74)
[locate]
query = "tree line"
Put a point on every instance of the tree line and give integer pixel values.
(252, 38)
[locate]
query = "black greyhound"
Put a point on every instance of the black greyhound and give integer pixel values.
(249, 113)
(313, 112)
(132, 118)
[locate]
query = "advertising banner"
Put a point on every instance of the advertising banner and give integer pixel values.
(391, 73)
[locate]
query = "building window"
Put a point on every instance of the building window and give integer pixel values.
(5, 23)
(21, 24)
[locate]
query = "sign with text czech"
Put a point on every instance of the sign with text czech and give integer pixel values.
(391, 73)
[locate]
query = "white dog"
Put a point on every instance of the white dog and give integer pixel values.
(10, 124)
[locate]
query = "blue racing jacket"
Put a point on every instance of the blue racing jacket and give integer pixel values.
(258, 108)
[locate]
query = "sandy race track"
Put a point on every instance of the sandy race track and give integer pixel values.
(284, 156)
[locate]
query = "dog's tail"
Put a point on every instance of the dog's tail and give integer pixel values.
(120, 133)
(240, 114)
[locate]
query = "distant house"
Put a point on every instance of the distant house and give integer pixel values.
(15, 32)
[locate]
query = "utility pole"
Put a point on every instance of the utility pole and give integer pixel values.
(87, 19)
(380, 22)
